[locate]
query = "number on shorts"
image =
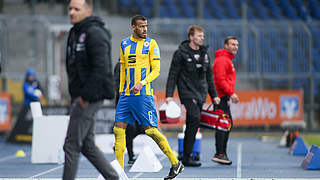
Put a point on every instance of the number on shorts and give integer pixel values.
(150, 115)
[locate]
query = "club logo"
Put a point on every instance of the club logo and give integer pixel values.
(289, 106)
(82, 37)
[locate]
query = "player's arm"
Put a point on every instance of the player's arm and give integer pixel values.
(154, 61)
(122, 71)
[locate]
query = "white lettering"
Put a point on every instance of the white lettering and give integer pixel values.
(260, 108)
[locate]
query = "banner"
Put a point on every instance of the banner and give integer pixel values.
(5, 112)
(273, 107)
(256, 108)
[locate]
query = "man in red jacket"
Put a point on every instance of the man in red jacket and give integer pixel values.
(224, 80)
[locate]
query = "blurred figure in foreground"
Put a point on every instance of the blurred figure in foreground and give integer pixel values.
(90, 81)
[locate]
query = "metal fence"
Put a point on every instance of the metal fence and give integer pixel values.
(272, 55)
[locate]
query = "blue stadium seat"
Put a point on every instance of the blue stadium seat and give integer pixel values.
(172, 9)
(316, 59)
(302, 10)
(232, 11)
(274, 9)
(125, 3)
(217, 10)
(145, 8)
(315, 10)
(250, 14)
(206, 13)
(288, 9)
(149, 3)
(187, 9)
(163, 11)
(260, 10)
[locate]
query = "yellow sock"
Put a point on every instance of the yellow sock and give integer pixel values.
(120, 144)
(163, 144)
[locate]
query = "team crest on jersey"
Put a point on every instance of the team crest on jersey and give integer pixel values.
(82, 37)
(146, 44)
(124, 42)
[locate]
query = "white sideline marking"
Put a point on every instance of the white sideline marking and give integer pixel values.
(46, 172)
(8, 157)
(53, 169)
(239, 160)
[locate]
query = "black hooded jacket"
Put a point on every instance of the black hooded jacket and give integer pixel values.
(88, 63)
(192, 83)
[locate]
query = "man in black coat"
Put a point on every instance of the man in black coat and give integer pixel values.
(90, 80)
(191, 71)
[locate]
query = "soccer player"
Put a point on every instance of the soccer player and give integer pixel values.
(131, 131)
(140, 65)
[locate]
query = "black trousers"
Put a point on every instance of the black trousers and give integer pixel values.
(192, 124)
(222, 137)
(132, 131)
(80, 138)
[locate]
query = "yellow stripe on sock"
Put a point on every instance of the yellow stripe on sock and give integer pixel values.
(163, 144)
(120, 144)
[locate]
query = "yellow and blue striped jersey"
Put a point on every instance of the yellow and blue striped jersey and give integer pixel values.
(140, 60)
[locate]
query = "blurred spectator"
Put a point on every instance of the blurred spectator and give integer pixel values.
(90, 81)
(32, 93)
(31, 88)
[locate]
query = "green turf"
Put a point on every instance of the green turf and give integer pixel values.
(311, 139)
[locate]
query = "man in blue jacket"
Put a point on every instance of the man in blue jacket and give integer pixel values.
(31, 88)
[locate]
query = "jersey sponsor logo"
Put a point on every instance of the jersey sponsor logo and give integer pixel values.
(132, 59)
